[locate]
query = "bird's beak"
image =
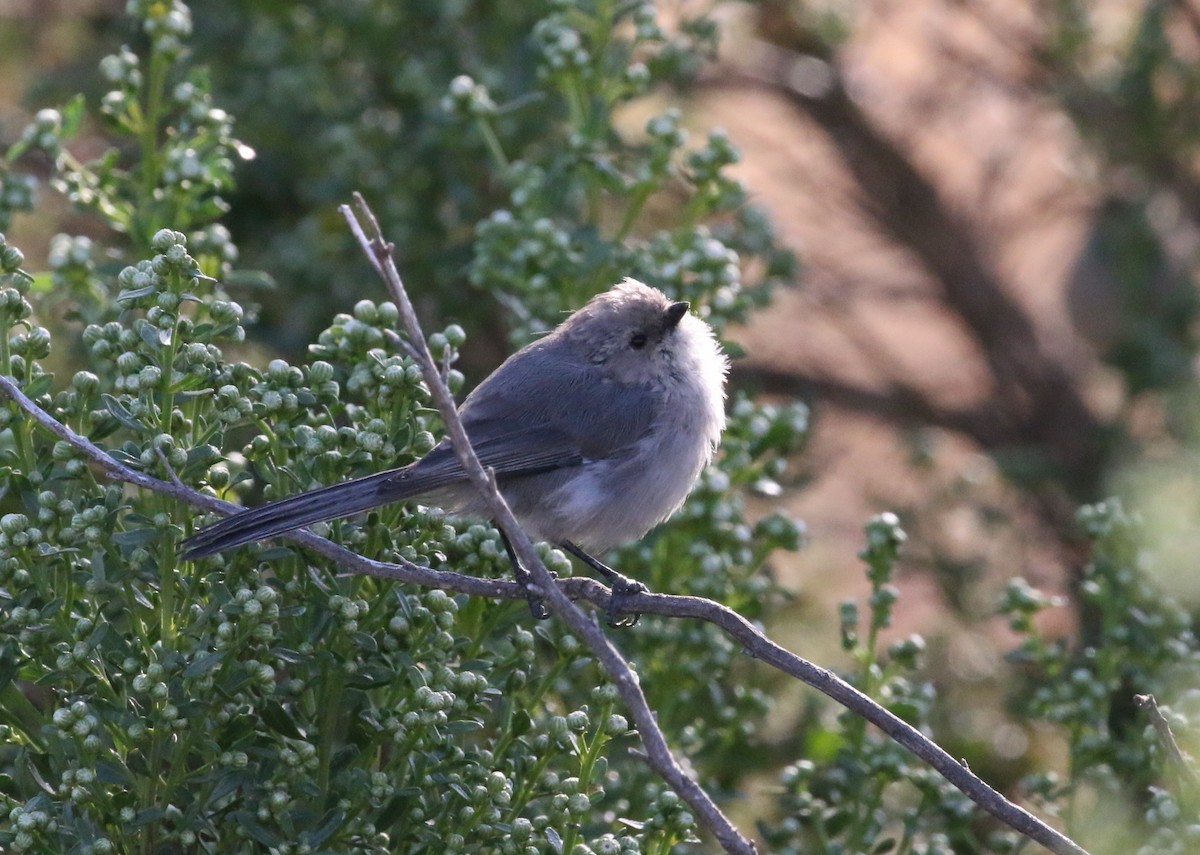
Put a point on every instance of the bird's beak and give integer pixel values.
(674, 314)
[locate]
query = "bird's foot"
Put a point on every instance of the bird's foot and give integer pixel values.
(537, 606)
(533, 594)
(617, 615)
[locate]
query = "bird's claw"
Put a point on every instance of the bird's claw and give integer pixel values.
(537, 607)
(533, 594)
(616, 614)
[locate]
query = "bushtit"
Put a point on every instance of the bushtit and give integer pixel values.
(596, 433)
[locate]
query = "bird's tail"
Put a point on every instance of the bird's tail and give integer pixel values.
(339, 500)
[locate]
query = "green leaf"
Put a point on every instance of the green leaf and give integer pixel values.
(8, 664)
(250, 280)
(121, 414)
(16, 150)
(148, 816)
(257, 830)
(98, 572)
(332, 820)
(102, 427)
(46, 551)
(154, 336)
(823, 744)
(465, 725)
(41, 283)
(190, 394)
(120, 455)
(136, 293)
(279, 720)
(201, 456)
(906, 710)
(371, 677)
(229, 782)
(521, 723)
(109, 772)
(203, 663)
(189, 383)
(72, 116)
(292, 657)
(139, 597)
(39, 386)
(22, 714)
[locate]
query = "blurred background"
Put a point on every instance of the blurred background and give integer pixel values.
(994, 205)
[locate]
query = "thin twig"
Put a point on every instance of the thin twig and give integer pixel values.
(1175, 756)
(365, 228)
(398, 341)
(170, 470)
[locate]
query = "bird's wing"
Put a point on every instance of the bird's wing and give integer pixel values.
(536, 414)
(545, 387)
(499, 446)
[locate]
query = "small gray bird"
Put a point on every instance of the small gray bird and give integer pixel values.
(596, 433)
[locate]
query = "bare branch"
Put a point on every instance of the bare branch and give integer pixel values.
(170, 470)
(365, 227)
(401, 343)
(1175, 756)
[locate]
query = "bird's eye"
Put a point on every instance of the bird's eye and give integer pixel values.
(637, 341)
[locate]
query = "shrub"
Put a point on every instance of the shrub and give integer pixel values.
(255, 701)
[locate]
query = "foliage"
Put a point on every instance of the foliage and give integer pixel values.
(1120, 792)
(857, 790)
(1127, 82)
(255, 701)
(498, 144)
